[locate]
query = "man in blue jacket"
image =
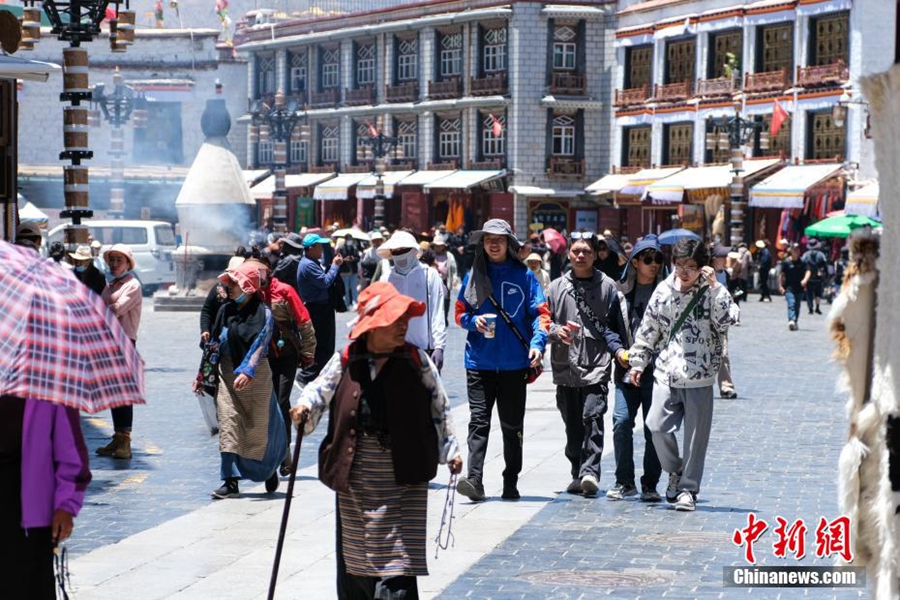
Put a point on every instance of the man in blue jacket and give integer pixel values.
(497, 365)
(314, 284)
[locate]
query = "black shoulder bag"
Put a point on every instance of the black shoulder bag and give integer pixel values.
(533, 372)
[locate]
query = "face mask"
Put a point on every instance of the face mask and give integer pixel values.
(240, 299)
(80, 269)
(404, 263)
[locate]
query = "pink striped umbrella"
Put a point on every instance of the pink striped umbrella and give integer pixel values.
(60, 342)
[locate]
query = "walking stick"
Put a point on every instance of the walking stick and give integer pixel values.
(287, 509)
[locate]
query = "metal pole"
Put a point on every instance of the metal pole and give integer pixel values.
(737, 206)
(379, 193)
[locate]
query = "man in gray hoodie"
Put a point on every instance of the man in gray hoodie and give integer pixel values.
(584, 330)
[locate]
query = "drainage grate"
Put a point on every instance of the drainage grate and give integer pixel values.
(630, 578)
(686, 538)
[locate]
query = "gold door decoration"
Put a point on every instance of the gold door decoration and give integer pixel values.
(680, 138)
(640, 66)
(724, 43)
(832, 39)
(778, 49)
(828, 139)
(680, 61)
(638, 147)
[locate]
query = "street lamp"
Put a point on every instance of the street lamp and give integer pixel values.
(117, 107)
(736, 131)
(279, 121)
(77, 21)
(381, 146)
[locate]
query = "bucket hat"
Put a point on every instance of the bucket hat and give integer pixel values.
(496, 227)
(245, 274)
(81, 253)
(399, 241)
(124, 251)
(381, 305)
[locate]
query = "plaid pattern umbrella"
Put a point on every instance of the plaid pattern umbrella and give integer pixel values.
(60, 342)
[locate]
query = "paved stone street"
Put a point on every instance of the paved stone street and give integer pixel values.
(773, 452)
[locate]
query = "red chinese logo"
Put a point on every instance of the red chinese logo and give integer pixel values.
(749, 535)
(834, 538)
(790, 539)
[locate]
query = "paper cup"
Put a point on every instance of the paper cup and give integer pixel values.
(491, 325)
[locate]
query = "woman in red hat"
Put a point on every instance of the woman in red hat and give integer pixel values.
(382, 448)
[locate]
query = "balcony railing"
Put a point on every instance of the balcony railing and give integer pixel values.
(326, 168)
(568, 84)
(327, 99)
(490, 85)
(566, 168)
(359, 97)
(823, 75)
(769, 81)
(487, 165)
(633, 96)
(403, 92)
(362, 167)
(673, 92)
(443, 165)
(722, 87)
(444, 90)
(402, 165)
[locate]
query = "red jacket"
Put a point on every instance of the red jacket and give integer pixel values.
(279, 294)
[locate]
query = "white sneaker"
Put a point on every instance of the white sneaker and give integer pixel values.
(792, 325)
(686, 502)
(589, 486)
(574, 487)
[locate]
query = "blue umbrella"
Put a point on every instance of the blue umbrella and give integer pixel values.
(672, 236)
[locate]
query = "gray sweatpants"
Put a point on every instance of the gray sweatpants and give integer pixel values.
(671, 406)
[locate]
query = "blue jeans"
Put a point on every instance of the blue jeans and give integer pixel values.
(793, 297)
(229, 468)
(349, 287)
(628, 400)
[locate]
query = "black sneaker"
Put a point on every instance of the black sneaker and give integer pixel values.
(471, 489)
(284, 470)
(672, 489)
(272, 483)
(818, 311)
(229, 489)
(510, 492)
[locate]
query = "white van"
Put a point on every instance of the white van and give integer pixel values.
(151, 242)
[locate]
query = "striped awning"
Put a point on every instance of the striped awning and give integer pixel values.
(338, 188)
(638, 182)
(465, 180)
(787, 188)
(671, 190)
(863, 201)
(366, 187)
(609, 183)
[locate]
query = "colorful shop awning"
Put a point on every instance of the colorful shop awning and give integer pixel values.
(465, 180)
(366, 187)
(266, 188)
(609, 183)
(863, 201)
(339, 187)
(787, 188)
(425, 177)
(638, 182)
(671, 189)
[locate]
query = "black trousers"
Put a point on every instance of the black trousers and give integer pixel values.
(764, 284)
(26, 561)
(322, 316)
(284, 370)
(402, 587)
(506, 389)
(582, 410)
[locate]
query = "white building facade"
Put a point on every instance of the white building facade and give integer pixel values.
(512, 98)
(681, 64)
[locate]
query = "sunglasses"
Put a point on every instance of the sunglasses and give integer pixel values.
(655, 257)
(582, 235)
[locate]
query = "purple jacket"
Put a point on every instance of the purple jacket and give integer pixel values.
(55, 470)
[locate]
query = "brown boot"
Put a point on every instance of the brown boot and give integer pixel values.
(110, 448)
(123, 449)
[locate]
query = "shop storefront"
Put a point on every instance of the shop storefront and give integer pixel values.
(338, 202)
